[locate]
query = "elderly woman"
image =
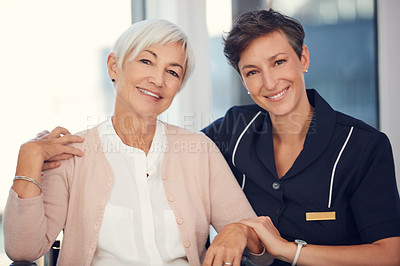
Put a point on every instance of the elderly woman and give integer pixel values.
(138, 191)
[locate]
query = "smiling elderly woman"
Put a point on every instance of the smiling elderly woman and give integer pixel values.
(125, 193)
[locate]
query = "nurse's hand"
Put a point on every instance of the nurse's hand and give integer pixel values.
(49, 148)
(227, 247)
(268, 234)
(55, 146)
(41, 153)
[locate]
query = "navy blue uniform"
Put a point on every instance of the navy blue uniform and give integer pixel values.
(346, 169)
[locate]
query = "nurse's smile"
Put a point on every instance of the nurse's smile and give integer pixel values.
(279, 96)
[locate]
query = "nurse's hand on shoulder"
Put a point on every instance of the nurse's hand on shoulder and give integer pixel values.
(227, 247)
(46, 150)
(52, 147)
(268, 234)
(42, 153)
(56, 146)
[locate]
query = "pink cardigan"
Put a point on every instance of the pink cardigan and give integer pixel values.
(197, 180)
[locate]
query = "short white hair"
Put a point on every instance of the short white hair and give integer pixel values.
(151, 32)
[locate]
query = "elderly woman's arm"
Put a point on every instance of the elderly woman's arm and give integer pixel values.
(229, 205)
(228, 245)
(30, 216)
(381, 252)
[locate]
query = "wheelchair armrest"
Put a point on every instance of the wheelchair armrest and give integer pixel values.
(23, 263)
(50, 258)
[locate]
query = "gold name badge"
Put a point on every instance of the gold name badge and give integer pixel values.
(320, 216)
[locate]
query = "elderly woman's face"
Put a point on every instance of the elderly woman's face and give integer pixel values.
(147, 84)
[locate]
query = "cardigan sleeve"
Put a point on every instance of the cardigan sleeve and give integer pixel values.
(228, 202)
(32, 225)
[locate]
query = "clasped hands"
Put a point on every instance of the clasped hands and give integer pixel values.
(228, 246)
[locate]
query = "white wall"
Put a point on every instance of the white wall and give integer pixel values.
(389, 70)
(53, 69)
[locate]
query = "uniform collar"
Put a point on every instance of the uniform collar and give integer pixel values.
(318, 137)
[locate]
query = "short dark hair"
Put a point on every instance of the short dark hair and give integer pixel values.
(254, 24)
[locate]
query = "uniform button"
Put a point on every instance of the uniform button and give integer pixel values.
(186, 244)
(170, 198)
(278, 211)
(276, 185)
(180, 221)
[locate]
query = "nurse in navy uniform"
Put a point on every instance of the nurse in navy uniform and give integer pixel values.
(322, 182)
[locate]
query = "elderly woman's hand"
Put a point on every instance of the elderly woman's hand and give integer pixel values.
(227, 247)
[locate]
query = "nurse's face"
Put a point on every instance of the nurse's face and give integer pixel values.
(273, 74)
(147, 84)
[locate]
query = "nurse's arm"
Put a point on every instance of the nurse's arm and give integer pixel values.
(382, 252)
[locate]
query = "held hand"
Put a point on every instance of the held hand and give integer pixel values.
(268, 234)
(227, 247)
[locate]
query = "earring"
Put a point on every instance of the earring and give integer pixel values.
(248, 92)
(306, 71)
(113, 80)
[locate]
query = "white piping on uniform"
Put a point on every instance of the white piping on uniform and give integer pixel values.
(334, 167)
(244, 181)
(237, 144)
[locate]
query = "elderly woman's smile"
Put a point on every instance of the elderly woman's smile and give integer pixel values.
(149, 93)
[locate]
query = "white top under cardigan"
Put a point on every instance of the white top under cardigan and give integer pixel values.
(139, 226)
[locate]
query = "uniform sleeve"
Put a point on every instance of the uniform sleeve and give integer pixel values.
(220, 132)
(213, 129)
(375, 202)
(32, 225)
